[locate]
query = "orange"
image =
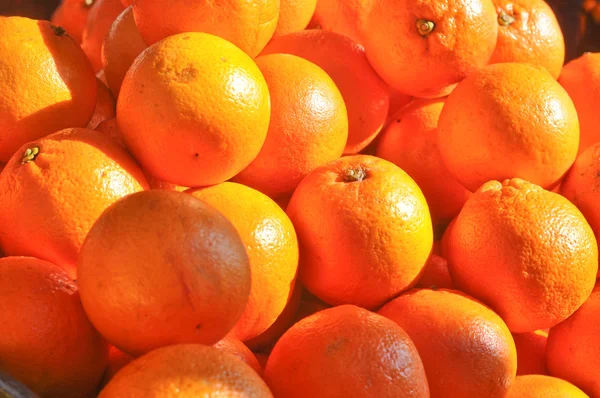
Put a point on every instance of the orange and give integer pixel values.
(529, 33)
(194, 109)
(523, 124)
(195, 279)
(411, 142)
(160, 184)
(465, 347)
(122, 45)
(247, 24)
(186, 371)
(111, 129)
(48, 87)
(72, 16)
(345, 17)
(346, 352)
(573, 350)
(535, 386)
(424, 48)
(272, 247)
(345, 62)
(364, 231)
(53, 190)
(436, 274)
(531, 352)
(117, 360)
(540, 255)
(126, 3)
(105, 106)
(294, 16)
(398, 101)
(236, 348)
(581, 79)
(100, 19)
(47, 342)
(444, 242)
(308, 128)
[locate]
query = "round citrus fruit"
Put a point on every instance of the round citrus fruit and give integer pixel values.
(105, 106)
(111, 129)
(100, 19)
(238, 349)
(531, 352)
(294, 16)
(346, 17)
(436, 274)
(117, 360)
(536, 386)
(72, 16)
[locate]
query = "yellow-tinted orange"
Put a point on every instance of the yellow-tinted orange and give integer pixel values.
(536, 386)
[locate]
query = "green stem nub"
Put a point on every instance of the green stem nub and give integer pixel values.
(30, 154)
(425, 27)
(504, 19)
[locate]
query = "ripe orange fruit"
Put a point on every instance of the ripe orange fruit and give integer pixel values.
(122, 45)
(436, 274)
(465, 347)
(247, 24)
(195, 279)
(100, 18)
(523, 124)
(294, 16)
(55, 90)
(529, 33)
(202, 128)
(345, 62)
(308, 128)
(53, 190)
(47, 342)
(236, 348)
(364, 231)
(72, 16)
(398, 101)
(105, 106)
(424, 48)
(346, 352)
(160, 184)
(117, 360)
(531, 352)
(186, 371)
(410, 142)
(111, 129)
(540, 255)
(345, 17)
(581, 79)
(573, 349)
(536, 386)
(272, 247)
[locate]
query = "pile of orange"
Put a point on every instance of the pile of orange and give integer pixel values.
(298, 198)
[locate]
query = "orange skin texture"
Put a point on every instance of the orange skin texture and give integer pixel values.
(51, 202)
(540, 254)
(436, 274)
(581, 78)
(122, 45)
(72, 16)
(345, 17)
(362, 242)
(533, 37)
(202, 129)
(462, 40)
(573, 350)
(106, 106)
(126, 3)
(466, 348)
(523, 124)
(531, 352)
(100, 19)
(186, 371)
(535, 386)
(47, 342)
(410, 142)
(160, 184)
(346, 351)
(272, 247)
(345, 62)
(308, 128)
(110, 128)
(194, 284)
(238, 349)
(117, 360)
(248, 24)
(56, 90)
(294, 16)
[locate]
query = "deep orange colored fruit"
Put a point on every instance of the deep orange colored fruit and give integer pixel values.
(398, 101)
(410, 142)
(47, 341)
(529, 33)
(122, 45)
(345, 17)
(105, 106)
(48, 87)
(444, 242)
(294, 16)
(345, 62)
(194, 282)
(53, 190)
(573, 350)
(308, 128)
(436, 274)
(186, 371)
(236, 348)
(117, 360)
(536, 386)
(202, 128)
(346, 352)
(364, 230)
(424, 48)
(581, 79)
(100, 18)
(72, 16)
(540, 255)
(466, 348)
(247, 24)
(160, 184)
(111, 129)
(531, 352)
(523, 124)
(272, 247)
